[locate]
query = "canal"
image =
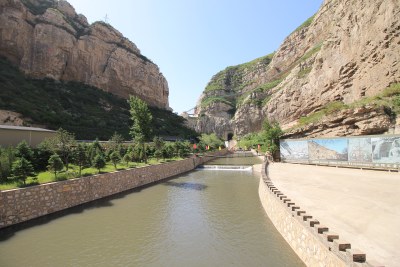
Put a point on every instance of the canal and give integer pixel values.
(207, 217)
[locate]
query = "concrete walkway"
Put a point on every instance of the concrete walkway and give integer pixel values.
(362, 206)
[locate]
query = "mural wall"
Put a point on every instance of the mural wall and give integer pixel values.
(374, 151)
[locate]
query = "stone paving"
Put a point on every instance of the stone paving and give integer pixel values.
(362, 206)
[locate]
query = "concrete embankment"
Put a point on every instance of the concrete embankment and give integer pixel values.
(333, 216)
(24, 204)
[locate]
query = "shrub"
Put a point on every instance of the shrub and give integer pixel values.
(21, 170)
(267, 138)
(115, 158)
(55, 164)
(211, 140)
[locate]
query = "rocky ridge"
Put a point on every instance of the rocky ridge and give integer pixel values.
(348, 52)
(48, 39)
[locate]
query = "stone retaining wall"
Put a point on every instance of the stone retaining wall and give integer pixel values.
(24, 204)
(312, 242)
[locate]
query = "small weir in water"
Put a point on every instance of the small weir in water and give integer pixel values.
(225, 167)
(200, 218)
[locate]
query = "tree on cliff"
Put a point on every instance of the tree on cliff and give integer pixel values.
(141, 117)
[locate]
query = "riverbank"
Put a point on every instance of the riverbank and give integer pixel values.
(361, 206)
(19, 205)
(199, 218)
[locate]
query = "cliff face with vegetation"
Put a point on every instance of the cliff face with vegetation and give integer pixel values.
(48, 39)
(337, 74)
(84, 110)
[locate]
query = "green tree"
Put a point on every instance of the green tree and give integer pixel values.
(127, 158)
(80, 157)
(182, 149)
(141, 117)
(268, 137)
(41, 155)
(7, 157)
(271, 134)
(23, 150)
(99, 162)
(115, 142)
(55, 164)
(115, 158)
(211, 140)
(158, 154)
(21, 170)
(94, 149)
(168, 150)
(158, 143)
(63, 144)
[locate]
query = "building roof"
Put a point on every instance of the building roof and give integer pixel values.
(22, 128)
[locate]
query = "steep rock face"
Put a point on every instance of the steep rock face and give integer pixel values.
(348, 52)
(48, 39)
(218, 103)
(243, 123)
(215, 119)
(359, 57)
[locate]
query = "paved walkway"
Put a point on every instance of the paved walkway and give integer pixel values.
(362, 206)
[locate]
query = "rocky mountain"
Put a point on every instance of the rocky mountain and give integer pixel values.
(337, 74)
(48, 39)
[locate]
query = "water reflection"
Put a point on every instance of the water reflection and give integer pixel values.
(202, 218)
(186, 185)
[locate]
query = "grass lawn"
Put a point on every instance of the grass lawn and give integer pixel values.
(73, 172)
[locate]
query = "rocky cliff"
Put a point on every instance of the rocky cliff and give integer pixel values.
(47, 38)
(337, 74)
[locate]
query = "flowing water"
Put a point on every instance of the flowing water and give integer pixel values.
(202, 218)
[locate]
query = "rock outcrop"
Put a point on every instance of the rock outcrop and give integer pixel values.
(47, 38)
(227, 90)
(11, 118)
(348, 52)
(359, 121)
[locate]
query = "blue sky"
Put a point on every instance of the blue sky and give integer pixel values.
(192, 40)
(339, 145)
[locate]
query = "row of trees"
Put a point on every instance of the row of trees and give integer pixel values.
(57, 153)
